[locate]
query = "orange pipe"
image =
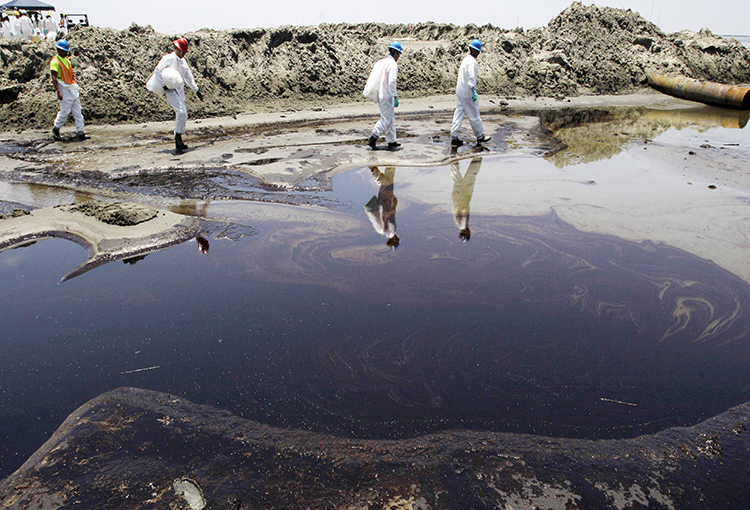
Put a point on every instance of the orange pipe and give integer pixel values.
(702, 91)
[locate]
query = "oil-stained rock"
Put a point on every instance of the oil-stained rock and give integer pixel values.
(133, 448)
(120, 213)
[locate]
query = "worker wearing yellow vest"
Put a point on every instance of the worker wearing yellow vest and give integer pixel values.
(67, 91)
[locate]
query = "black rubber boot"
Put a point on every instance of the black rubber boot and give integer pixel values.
(179, 144)
(372, 142)
(457, 142)
(56, 134)
(393, 145)
(483, 139)
(82, 136)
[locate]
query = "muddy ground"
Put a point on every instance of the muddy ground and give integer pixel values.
(584, 50)
(292, 157)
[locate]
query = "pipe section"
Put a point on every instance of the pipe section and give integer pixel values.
(703, 91)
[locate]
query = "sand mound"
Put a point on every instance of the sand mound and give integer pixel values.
(584, 50)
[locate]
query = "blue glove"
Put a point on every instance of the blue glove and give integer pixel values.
(473, 95)
(395, 102)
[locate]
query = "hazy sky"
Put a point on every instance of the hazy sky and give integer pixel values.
(728, 17)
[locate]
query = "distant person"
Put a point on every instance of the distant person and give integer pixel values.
(7, 30)
(67, 91)
(35, 18)
(27, 29)
(50, 27)
(15, 26)
(381, 209)
(63, 26)
(176, 96)
(463, 189)
(386, 71)
(466, 96)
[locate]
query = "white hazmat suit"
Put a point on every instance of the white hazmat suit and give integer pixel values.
(176, 97)
(50, 27)
(386, 95)
(27, 29)
(70, 104)
(466, 84)
(15, 27)
(7, 32)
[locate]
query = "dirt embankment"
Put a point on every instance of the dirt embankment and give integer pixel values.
(584, 50)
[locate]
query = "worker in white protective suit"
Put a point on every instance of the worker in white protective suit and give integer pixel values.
(67, 91)
(35, 18)
(176, 96)
(7, 31)
(466, 96)
(27, 29)
(49, 25)
(15, 26)
(387, 97)
(463, 189)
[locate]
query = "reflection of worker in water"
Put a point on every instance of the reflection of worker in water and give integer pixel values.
(202, 244)
(381, 209)
(191, 207)
(198, 209)
(463, 189)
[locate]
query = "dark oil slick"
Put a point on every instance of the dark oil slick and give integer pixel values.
(531, 326)
(396, 307)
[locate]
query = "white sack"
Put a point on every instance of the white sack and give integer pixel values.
(155, 85)
(172, 78)
(372, 87)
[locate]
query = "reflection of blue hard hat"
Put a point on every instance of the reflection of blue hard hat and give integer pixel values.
(395, 45)
(476, 44)
(62, 44)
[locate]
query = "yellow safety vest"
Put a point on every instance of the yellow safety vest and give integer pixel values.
(66, 73)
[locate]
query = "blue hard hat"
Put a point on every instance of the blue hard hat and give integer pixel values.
(395, 45)
(476, 44)
(62, 44)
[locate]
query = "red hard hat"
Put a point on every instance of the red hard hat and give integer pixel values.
(181, 44)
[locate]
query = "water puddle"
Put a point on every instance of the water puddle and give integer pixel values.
(498, 293)
(589, 135)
